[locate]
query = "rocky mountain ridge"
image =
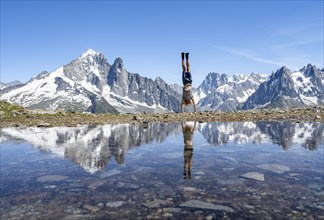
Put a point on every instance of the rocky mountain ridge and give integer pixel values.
(226, 93)
(91, 84)
(7, 87)
(289, 89)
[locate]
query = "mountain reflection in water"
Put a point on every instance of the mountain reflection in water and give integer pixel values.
(284, 134)
(93, 146)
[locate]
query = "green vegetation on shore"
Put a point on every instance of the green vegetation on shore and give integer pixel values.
(13, 115)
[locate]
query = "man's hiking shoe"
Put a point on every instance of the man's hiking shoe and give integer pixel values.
(182, 55)
(187, 56)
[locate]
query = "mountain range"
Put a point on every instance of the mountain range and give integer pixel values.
(223, 92)
(7, 87)
(293, 89)
(90, 84)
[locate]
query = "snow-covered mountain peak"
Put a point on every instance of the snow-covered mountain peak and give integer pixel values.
(92, 58)
(90, 66)
(89, 52)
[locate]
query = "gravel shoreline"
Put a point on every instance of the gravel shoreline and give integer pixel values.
(31, 118)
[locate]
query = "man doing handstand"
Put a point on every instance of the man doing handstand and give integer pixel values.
(187, 96)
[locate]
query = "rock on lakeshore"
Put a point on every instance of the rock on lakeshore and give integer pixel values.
(254, 175)
(205, 205)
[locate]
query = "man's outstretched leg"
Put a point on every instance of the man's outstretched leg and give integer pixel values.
(183, 63)
(187, 62)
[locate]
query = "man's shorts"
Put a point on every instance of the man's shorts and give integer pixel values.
(186, 78)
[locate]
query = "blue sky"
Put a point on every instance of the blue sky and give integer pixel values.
(221, 36)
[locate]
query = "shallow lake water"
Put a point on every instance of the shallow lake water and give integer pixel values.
(189, 170)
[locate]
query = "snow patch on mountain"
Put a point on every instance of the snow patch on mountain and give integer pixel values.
(309, 100)
(224, 88)
(198, 96)
(126, 105)
(45, 89)
(301, 81)
(245, 96)
(303, 85)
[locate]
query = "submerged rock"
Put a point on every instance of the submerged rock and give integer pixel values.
(199, 172)
(276, 168)
(175, 210)
(96, 184)
(154, 204)
(190, 189)
(206, 205)
(91, 208)
(50, 178)
(315, 186)
(114, 204)
(171, 155)
(167, 215)
(254, 175)
(110, 173)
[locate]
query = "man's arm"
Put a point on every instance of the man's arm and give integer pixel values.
(182, 104)
(194, 104)
(194, 126)
(182, 125)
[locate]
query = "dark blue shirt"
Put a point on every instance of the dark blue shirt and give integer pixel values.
(186, 78)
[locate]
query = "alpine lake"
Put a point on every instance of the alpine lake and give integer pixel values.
(187, 170)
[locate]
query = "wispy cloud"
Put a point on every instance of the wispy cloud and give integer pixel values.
(294, 62)
(299, 29)
(248, 54)
(298, 35)
(296, 43)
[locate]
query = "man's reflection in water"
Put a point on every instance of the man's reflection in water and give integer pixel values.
(188, 131)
